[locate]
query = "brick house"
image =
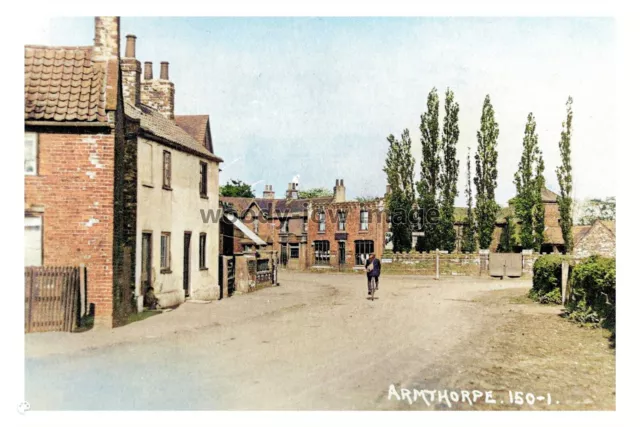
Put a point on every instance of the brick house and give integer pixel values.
(176, 175)
(311, 232)
(596, 239)
(74, 166)
(103, 157)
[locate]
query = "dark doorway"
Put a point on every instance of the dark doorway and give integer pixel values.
(186, 263)
(145, 280)
(342, 256)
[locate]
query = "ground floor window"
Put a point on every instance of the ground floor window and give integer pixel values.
(294, 251)
(203, 251)
(165, 252)
(32, 241)
(321, 250)
(364, 248)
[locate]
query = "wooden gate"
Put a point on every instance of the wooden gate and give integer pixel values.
(505, 265)
(52, 298)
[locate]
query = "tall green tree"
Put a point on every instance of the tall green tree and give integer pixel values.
(429, 173)
(538, 209)
(449, 173)
(236, 188)
(565, 178)
(486, 174)
(529, 182)
(469, 234)
(507, 236)
(399, 170)
(598, 209)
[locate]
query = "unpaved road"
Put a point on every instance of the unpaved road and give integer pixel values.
(317, 342)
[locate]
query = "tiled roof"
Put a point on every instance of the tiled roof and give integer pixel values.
(158, 125)
(553, 235)
(611, 225)
(579, 231)
(63, 84)
(549, 196)
(196, 126)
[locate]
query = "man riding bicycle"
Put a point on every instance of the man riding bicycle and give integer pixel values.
(372, 266)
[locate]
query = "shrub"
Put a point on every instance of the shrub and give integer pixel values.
(593, 292)
(547, 279)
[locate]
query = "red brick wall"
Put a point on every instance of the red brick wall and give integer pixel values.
(74, 187)
(377, 229)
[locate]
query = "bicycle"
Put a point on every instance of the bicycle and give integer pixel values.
(372, 287)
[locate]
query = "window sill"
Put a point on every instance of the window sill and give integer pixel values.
(147, 185)
(164, 187)
(204, 268)
(165, 271)
(204, 196)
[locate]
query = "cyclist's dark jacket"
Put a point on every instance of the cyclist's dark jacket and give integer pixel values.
(376, 268)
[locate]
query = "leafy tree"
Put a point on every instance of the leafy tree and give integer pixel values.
(314, 192)
(429, 173)
(469, 236)
(598, 209)
(486, 174)
(565, 178)
(529, 181)
(449, 173)
(365, 199)
(236, 188)
(399, 170)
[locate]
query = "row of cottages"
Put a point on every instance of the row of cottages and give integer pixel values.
(115, 180)
(322, 232)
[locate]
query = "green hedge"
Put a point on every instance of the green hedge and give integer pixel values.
(593, 292)
(547, 279)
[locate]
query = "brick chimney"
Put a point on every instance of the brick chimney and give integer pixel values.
(158, 94)
(131, 72)
(106, 41)
(292, 190)
(339, 192)
(268, 192)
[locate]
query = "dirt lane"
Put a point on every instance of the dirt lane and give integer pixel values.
(316, 342)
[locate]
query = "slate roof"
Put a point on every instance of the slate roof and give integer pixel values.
(64, 84)
(196, 126)
(155, 123)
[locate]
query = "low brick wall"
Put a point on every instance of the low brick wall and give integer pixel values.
(456, 264)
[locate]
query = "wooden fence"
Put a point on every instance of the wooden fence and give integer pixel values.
(52, 298)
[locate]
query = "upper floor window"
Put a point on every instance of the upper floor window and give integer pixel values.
(203, 179)
(284, 228)
(30, 153)
(256, 224)
(322, 224)
(364, 220)
(342, 220)
(166, 170)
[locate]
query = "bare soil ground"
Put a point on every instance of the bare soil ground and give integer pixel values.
(318, 343)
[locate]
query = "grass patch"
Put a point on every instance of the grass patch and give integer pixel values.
(136, 317)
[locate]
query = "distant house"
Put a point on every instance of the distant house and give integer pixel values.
(596, 239)
(322, 232)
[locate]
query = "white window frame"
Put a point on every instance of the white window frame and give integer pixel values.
(35, 221)
(364, 220)
(33, 137)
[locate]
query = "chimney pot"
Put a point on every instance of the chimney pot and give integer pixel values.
(130, 51)
(164, 70)
(148, 70)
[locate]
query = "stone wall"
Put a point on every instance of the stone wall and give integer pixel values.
(599, 240)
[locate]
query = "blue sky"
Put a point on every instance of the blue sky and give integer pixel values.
(317, 97)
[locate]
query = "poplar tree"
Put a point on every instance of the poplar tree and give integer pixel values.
(429, 172)
(399, 170)
(565, 178)
(469, 236)
(448, 183)
(486, 174)
(529, 182)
